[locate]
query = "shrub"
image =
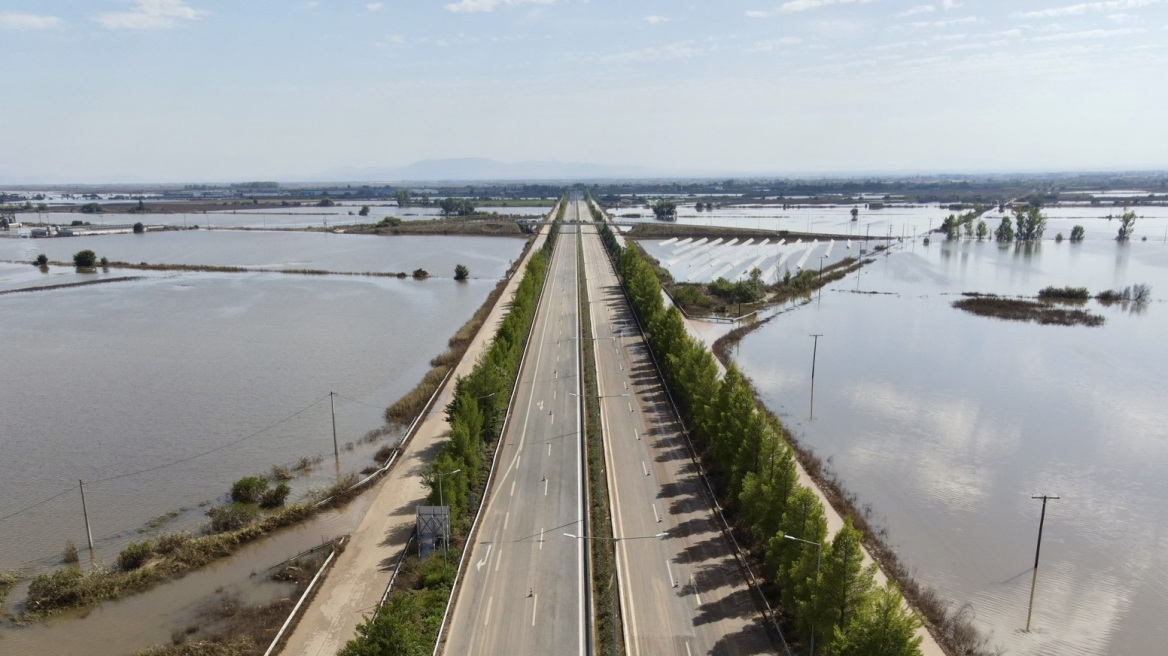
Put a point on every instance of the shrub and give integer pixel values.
(104, 262)
(171, 542)
(70, 553)
(1077, 233)
(135, 555)
(389, 222)
(42, 260)
(461, 272)
(275, 496)
(1065, 293)
(281, 473)
(85, 259)
(248, 489)
(421, 274)
(232, 516)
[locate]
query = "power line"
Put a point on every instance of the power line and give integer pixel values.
(210, 451)
(38, 503)
(171, 463)
(376, 407)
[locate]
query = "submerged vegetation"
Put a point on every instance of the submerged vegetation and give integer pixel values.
(147, 562)
(1017, 309)
(226, 626)
(1044, 311)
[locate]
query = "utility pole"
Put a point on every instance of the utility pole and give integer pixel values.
(85, 512)
(1037, 551)
(814, 353)
(332, 408)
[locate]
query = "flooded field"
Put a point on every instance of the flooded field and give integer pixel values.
(947, 423)
(272, 218)
(898, 220)
(127, 376)
(486, 257)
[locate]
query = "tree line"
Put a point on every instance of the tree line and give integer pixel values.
(840, 608)
(409, 622)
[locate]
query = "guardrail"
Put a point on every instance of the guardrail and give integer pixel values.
(307, 591)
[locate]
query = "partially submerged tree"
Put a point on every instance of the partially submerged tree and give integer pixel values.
(1127, 223)
(1031, 224)
(1005, 231)
(665, 210)
(85, 259)
(461, 272)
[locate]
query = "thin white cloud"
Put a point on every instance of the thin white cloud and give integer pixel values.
(1089, 35)
(1084, 7)
(14, 21)
(374, 6)
(1123, 19)
(150, 15)
(668, 52)
(799, 5)
(914, 11)
(312, 4)
(936, 25)
(656, 20)
(475, 6)
(771, 45)
(950, 4)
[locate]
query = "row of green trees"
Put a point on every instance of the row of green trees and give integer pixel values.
(409, 622)
(841, 609)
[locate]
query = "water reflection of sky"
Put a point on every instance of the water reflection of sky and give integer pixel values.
(947, 423)
(288, 218)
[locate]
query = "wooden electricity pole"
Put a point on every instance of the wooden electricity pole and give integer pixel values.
(1037, 551)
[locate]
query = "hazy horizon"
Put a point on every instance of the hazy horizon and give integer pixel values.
(165, 91)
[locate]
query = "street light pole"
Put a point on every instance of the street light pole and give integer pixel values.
(1037, 550)
(814, 353)
(818, 561)
(446, 525)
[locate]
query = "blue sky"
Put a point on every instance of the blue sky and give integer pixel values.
(168, 90)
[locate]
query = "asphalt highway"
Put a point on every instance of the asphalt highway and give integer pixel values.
(523, 590)
(681, 593)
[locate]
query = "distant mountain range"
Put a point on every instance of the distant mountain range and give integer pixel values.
(484, 170)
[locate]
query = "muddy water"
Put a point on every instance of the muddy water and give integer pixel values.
(140, 621)
(486, 257)
(946, 423)
(230, 371)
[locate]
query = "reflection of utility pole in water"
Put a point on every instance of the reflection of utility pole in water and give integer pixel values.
(333, 410)
(814, 352)
(1037, 550)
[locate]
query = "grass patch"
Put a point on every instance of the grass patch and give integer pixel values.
(161, 520)
(146, 563)
(603, 551)
(7, 580)
(1016, 309)
(485, 225)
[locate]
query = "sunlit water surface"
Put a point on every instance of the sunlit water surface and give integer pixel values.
(946, 423)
